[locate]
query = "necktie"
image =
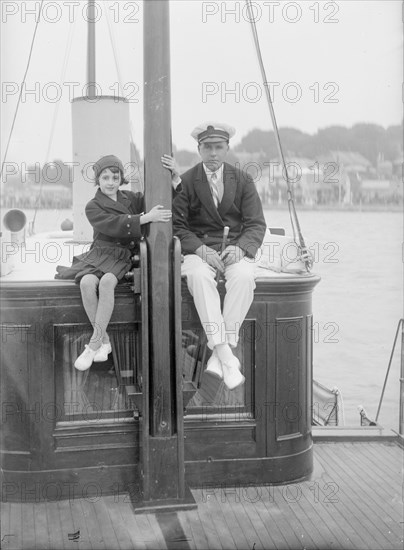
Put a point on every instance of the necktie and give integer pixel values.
(214, 188)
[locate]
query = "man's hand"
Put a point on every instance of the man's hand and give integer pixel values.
(169, 162)
(210, 256)
(232, 254)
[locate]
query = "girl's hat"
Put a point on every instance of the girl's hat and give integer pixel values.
(107, 162)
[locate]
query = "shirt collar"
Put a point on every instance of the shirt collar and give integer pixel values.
(218, 172)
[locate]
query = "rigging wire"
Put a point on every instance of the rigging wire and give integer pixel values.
(21, 89)
(306, 255)
(54, 118)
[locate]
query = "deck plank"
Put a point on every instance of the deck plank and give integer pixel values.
(106, 527)
(206, 521)
(244, 521)
(41, 527)
(148, 534)
(367, 521)
(233, 524)
(365, 511)
(122, 536)
(54, 523)
(158, 532)
(326, 516)
(375, 457)
(270, 524)
(129, 521)
(79, 524)
(255, 519)
(219, 522)
(191, 519)
(291, 511)
(370, 488)
(11, 537)
(357, 536)
(28, 533)
(379, 491)
(300, 505)
(93, 528)
(292, 538)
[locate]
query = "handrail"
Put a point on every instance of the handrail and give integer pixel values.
(401, 417)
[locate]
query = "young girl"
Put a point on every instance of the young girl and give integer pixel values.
(116, 217)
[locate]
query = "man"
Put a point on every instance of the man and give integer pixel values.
(214, 195)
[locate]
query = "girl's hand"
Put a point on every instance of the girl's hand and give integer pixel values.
(158, 214)
(169, 162)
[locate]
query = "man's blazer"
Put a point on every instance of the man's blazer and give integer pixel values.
(197, 221)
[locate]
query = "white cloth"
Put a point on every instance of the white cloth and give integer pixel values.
(220, 327)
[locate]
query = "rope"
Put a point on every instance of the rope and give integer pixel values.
(307, 257)
(21, 88)
(55, 114)
(400, 324)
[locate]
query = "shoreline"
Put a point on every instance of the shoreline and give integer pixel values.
(337, 208)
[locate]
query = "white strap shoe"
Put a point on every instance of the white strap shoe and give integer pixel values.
(102, 353)
(85, 360)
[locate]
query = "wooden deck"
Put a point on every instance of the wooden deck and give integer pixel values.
(353, 500)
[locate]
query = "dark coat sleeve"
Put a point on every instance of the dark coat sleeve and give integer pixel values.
(181, 218)
(110, 220)
(253, 220)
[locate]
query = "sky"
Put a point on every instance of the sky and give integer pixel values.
(329, 63)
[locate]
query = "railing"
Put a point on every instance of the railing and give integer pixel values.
(401, 411)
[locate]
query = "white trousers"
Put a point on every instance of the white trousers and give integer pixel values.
(220, 327)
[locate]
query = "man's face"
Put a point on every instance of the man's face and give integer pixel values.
(213, 154)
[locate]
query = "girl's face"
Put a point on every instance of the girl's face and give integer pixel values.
(109, 182)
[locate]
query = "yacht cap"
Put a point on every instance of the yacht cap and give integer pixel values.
(212, 132)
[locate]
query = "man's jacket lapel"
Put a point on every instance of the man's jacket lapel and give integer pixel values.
(229, 189)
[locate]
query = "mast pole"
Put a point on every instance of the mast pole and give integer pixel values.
(162, 416)
(91, 82)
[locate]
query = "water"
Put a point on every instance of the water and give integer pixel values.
(356, 305)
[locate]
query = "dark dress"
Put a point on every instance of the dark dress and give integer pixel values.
(117, 232)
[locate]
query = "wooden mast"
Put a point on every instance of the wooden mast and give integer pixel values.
(162, 422)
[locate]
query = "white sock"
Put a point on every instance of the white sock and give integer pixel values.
(224, 352)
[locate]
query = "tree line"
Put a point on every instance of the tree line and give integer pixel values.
(370, 140)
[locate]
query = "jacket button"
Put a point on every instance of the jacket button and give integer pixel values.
(128, 225)
(132, 243)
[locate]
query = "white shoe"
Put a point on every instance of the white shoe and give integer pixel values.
(214, 366)
(231, 373)
(102, 353)
(85, 360)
